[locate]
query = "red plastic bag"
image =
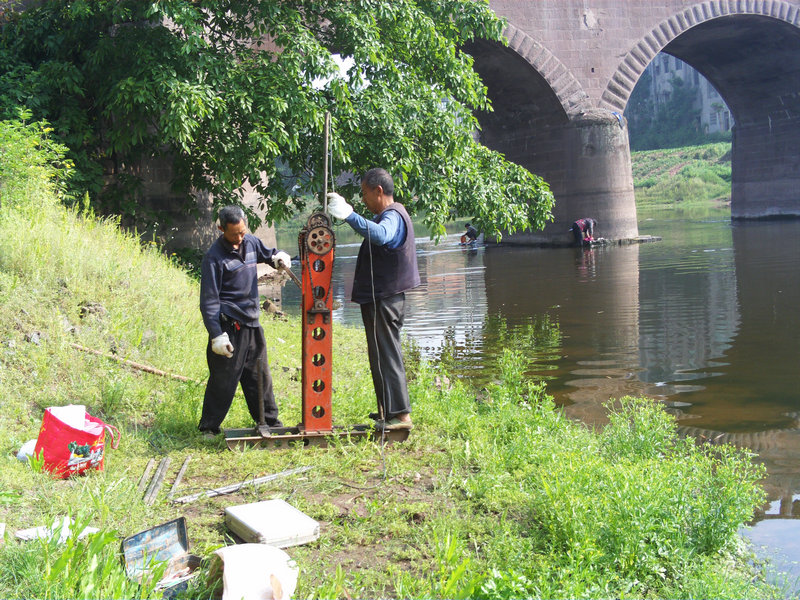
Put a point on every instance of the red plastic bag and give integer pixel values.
(69, 448)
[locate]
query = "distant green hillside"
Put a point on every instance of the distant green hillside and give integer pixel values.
(690, 175)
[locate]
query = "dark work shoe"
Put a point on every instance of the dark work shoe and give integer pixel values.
(396, 423)
(275, 424)
(374, 416)
(393, 424)
(210, 434)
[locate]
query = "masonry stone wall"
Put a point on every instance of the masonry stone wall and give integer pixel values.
(191, 226)
(766, 163)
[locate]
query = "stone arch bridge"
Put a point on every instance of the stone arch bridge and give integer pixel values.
(560, 86)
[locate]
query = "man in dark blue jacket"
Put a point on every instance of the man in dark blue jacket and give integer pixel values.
(385, 269)
(229, 302)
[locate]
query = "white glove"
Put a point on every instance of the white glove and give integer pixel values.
(338, 206)
(222, 345)
(282, 257)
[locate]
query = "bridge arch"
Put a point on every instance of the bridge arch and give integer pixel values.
(622, 82)
(562, 81)
(530, 90)
(750, 52)
(545, 121)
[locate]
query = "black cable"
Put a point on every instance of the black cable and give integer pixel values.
(375, 337)
(377, 354)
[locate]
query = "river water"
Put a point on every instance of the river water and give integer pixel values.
(705, 320)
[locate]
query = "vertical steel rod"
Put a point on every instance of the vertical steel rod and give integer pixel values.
(325, 162)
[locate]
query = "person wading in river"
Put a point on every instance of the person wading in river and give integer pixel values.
(583, 231)
(470, 235)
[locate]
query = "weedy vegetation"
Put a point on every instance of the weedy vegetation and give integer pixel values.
(680, 177)
(493, 496)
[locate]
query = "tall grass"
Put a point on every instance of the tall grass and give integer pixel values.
(590, 514)
(76, 567)
(494, 495)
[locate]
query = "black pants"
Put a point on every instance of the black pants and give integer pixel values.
(383, 320)
(249, 366)
(577, 234)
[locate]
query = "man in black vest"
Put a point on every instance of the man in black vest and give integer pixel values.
(386, 267)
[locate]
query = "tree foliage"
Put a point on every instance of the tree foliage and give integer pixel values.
(235, 91)
(29, 158)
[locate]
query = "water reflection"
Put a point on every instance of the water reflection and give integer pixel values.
(706, 317)
(593, 296)
(448, 310)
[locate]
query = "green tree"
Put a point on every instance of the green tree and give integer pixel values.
(235, 91)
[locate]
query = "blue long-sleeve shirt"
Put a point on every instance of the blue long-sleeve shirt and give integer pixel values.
(387, 228)
(229, 282)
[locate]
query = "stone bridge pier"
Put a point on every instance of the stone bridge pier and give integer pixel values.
(560, 86)
(766, 163)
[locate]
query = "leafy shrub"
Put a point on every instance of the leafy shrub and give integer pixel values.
(625, 508)
(29, 158)
(647, 183)
(639, 428)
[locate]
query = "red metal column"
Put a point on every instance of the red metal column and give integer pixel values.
(316, 245)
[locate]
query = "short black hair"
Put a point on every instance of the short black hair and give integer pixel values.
(379, 177)
(467, 225)
(230, 214)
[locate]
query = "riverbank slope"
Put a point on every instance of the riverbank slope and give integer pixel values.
(494, 495)
(690, 176)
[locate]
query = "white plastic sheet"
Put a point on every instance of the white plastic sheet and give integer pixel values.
(26, 450)
(61, 529)
(73, 415)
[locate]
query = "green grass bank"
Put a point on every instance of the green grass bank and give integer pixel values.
(683, 177)
(494, 495)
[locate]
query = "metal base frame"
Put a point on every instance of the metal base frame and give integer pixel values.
(288, 437)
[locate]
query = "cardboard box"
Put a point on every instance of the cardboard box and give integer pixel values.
(165, 542)
(272, 522)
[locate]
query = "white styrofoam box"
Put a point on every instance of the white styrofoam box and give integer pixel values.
(272, 522)
(254, 571)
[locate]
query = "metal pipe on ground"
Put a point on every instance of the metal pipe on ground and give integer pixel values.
(229, 489)
(178, 478)
(158, 479)
(146, 475)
